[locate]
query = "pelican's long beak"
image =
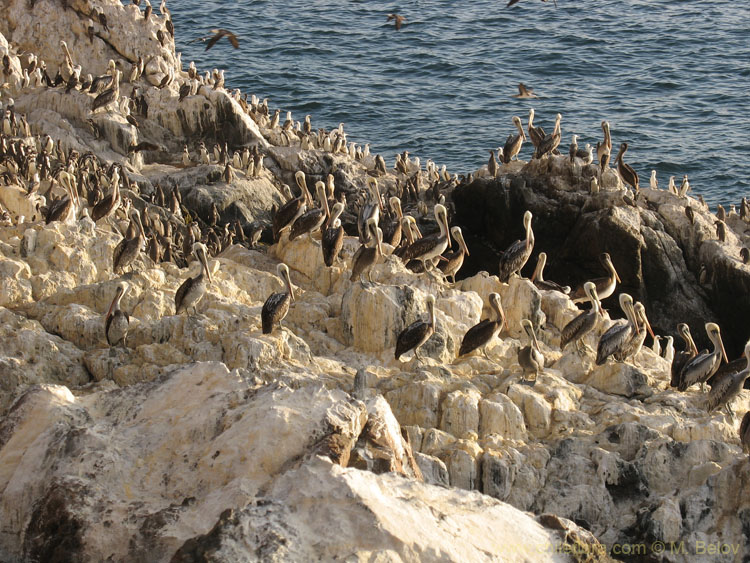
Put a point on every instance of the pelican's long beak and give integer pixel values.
(289, 285)
(204, 262)
(648, 327)
(463, 244)
(616, 276)
(723, 352)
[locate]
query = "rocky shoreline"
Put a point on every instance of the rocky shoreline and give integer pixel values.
(201, 438)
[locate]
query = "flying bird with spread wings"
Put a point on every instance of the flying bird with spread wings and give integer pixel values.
(218, 34)
(398, 20)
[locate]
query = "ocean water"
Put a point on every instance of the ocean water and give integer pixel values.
(672, 77)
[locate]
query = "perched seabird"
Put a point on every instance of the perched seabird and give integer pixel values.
(192, 290)
(313, 219)
(333, 236)
(518, 253)
(370, 210)
(455, 260)
(536, 134)
(551, 141)
(703, 366)
(628, 175)
(537, 278)
(293, 208)
(745, 254)
(653, 183)
(117, 322)
(417, 333)
(604, 286)
(513, 143)
(617, 336)
(109, 203)
(530, 357)
(492, 166)
(482, 334)
(584, 323)
(728, 387)
(635, 343)
(524, 92)
(108, 96)
(427, 248)
(392, 229)
(128, 248)
(398, 20)
(277, 305)
(683, 357)
(367, 254)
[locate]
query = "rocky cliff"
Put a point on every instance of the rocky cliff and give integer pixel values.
(202, 438)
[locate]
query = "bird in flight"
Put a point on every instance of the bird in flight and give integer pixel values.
(218, 34)
(516, 2)
(524, 91)
(399, 20)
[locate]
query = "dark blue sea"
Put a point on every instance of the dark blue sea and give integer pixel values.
(671, 76)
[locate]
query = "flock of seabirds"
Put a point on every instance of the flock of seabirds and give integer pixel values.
(91, 192)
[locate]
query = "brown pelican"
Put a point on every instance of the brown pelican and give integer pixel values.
(604, 286)
(398, 20)
(607, 137)
(530, 357)
(518, 253)
(455, 260)
(628, 175)
(288, 213)
(745, 432)
(551, 141)
(116, 322)
(704, 365)
(481, 334)
(66, 208)
(432, 246)
(366, 256)
(370, 210)
(511, 2)
(617, 336)
(728, 387)
(127, 249)
(417, 333)
(513, 143)
(312, 219)
(524, 92)
(109, 203)
(392, 230)
(333, 237)
(538, 277)
(682, 358)
(635, 343)
(745, 254)
(277, 305)
(108, 96)
(584, 323)
(192, 290)
(536, 134)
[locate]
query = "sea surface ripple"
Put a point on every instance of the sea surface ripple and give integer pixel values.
(672, 78)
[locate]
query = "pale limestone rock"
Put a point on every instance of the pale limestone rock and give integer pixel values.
(499, 415)
(434, 471)
(536, 410)
(460, 413)
(30, 356)
(416, 403)
(422, 522)
(522, 300)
